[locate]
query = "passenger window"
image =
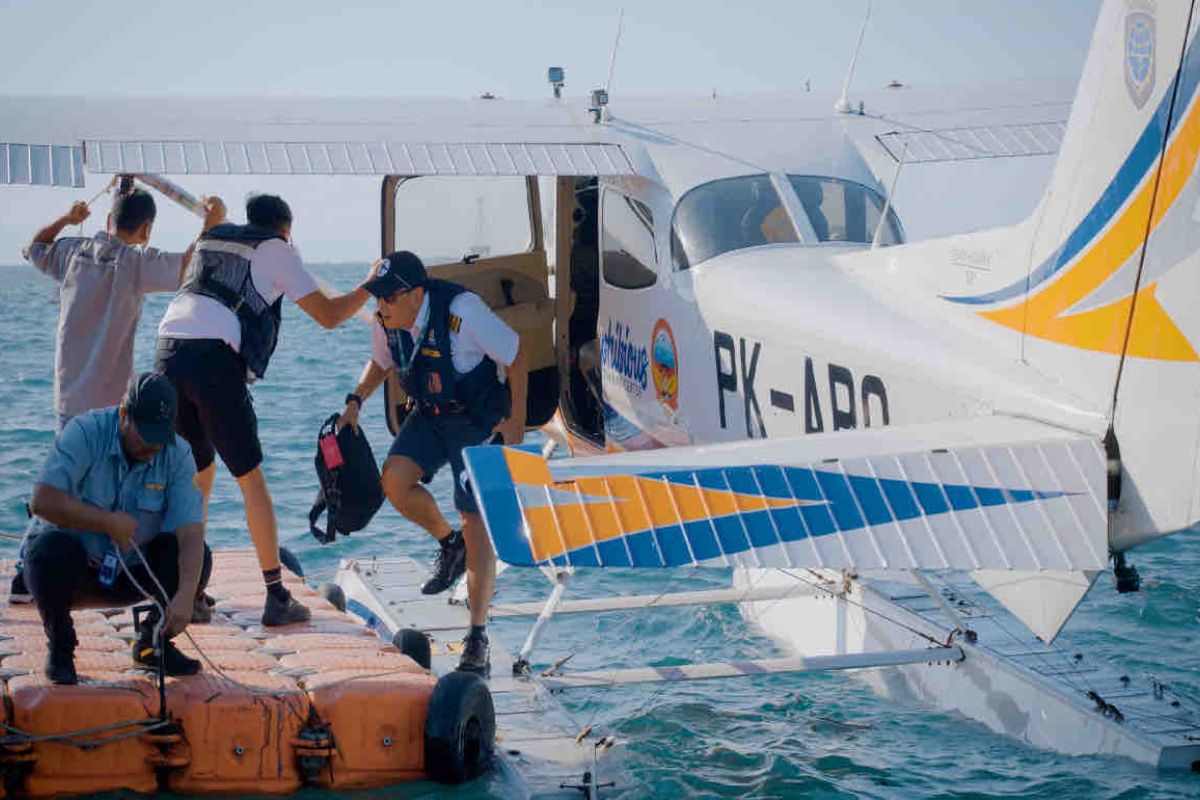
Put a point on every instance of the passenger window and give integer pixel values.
(725, 215)
(444, 219)
(843, 211)
(629, 254)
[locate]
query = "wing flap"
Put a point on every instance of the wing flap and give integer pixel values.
(235, 157)
(41, 165)
(1012, 495)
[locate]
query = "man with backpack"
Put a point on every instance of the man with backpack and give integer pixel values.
(464, 373)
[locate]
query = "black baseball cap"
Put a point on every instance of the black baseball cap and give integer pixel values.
(151, 403)
(399, 272)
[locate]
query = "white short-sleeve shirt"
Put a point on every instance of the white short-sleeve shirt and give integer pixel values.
(276, 269)
(481, 333)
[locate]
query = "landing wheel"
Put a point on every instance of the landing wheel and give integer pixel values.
(460, 732)
(415, 645)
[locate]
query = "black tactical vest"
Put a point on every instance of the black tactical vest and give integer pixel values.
(431, 380)
(220, 269)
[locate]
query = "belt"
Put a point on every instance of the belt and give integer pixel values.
(453, 407)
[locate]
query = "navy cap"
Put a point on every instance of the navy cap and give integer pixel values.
(399, 272)
(151, 403)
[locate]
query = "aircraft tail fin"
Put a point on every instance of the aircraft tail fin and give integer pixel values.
(1107, 304)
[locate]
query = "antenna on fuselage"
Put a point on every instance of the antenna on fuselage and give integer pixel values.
(599, 106)
(842, 106)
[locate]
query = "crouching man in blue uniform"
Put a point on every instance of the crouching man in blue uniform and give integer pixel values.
(453, 357)
(118, 479)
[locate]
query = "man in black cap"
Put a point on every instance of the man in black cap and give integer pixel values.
(453, 357)
(119, 487)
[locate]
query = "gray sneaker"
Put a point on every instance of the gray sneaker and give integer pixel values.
(283, 612)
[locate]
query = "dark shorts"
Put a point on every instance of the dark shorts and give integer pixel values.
(215, 409)
(431, 441)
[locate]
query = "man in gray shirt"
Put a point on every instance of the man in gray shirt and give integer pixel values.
(102, 280)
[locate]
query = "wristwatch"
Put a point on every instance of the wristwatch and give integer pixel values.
(353, 398)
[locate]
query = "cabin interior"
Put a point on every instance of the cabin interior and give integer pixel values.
(489, 234)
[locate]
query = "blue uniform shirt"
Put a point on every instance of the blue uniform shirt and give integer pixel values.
(87, 462)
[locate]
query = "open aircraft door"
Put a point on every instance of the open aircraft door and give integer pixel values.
(485, 233)
(641, 321)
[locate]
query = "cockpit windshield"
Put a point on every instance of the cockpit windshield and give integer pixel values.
(729, 214)
(842, 211)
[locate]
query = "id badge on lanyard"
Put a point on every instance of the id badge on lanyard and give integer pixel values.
(409, 358)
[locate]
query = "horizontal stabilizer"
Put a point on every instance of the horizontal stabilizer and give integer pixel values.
(992, 493)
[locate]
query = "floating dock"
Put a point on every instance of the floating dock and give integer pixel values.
(324, 703)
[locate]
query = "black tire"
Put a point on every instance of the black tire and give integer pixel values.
(460, 731)
(289, 560)
(415, 645)
(334, 594)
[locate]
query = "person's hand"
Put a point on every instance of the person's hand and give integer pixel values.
(78, 213)
(373, 270)
(511, 429)
(214, 211)
(121, 529)
(179, 614)
(349, 417)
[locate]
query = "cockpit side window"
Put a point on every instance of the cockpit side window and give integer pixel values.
(843, 211)
(629, 255)
(725, 215)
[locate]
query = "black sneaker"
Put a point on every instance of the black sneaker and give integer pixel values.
(60, 666)
(283, 612)
(448, 566)
(174, 661)
(475, 655)
(18, 593)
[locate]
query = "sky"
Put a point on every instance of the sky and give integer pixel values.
(462, 49)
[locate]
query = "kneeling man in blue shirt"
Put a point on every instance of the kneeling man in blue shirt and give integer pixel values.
(119, 482)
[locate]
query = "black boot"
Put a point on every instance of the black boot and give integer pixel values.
(448, 566)
(60, 667)
(145, 654)
(60, 660)
(475, 654)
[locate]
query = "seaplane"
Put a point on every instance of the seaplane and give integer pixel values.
(902, 450)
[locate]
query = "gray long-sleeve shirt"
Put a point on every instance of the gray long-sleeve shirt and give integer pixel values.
(101, 284)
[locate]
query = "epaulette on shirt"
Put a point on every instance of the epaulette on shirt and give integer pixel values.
(455, 323)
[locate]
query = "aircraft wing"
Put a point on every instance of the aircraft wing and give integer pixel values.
(52, 141)
(994, 493)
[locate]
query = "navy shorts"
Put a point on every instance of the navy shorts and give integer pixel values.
(215, 409)
(430, 441)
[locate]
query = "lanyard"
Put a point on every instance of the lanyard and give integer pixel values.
(409, 358)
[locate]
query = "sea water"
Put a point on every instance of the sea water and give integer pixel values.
(820, 736)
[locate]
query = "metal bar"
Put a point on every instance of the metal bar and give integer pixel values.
(950, 613)
(634, 602)
(742, 669)
(548, 609)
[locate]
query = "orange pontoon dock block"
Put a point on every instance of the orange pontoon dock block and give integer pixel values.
(377, 723)
(40, 708)
(238, 731)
